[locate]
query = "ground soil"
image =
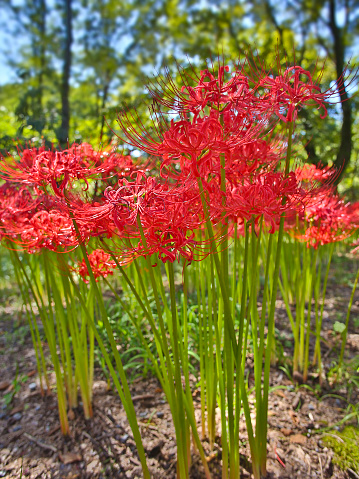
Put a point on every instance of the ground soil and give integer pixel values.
(31, 444)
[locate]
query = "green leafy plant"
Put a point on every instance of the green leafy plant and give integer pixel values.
(345, 447)
(15, 387)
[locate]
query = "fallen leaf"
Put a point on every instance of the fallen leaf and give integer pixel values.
(293, 416)
(280, 393)
(4, 385)
(297, 439)
(31, 373)
(212, 456)
(16, 409)
(286, 432)
(9, 389)
(71, 415)
(70, 457)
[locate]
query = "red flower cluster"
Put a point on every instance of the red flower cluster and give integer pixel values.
(264, 198)
(324, 219)
(40, 167)
(223, 134)
(218, 136)
(36, 221)
(291, 90)
(158, 217)
(312, 175)
(33, 217)
(101, 265)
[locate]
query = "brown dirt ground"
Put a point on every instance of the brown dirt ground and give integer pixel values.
(31, 444)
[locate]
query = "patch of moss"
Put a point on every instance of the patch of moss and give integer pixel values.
(346, 449)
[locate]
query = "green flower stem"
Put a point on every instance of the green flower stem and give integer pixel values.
(201, 315)
(304, 296)
(174, 392)
(211, 370)
(222, 281)
(79, 342)
(61, 322)
(35, 335)
(128, 310)
(166, 384)
(125, 394)
(181, 438)
(313, 275)
(147, 311)
(266, 292)
(285, 295)
(187, 397)
(51, 339)
(270, 334)
(317, 349)
(345, 332)
(221, 373)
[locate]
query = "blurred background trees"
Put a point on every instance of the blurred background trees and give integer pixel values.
(72, 64)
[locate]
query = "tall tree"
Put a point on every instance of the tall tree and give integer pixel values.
(102, 54)
(63, 131)
(34, 65)
(327, 28)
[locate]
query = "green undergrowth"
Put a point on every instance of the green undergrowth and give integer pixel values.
(345, 447)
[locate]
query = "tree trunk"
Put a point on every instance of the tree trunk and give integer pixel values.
(106, 88)
(345, 147)
(42, 29)
(63, 131)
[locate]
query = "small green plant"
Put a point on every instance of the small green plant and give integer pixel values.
(345, 447)
(339, 327)
(16, 383)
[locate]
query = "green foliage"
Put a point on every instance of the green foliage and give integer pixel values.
(133, 354)
(339, 327)
(16, 386)
(345, 447)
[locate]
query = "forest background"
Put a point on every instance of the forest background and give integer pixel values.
(69, 66)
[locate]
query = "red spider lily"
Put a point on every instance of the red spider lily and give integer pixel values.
(51, 230)
(48, 230)
(353, 211)
(219, 91)
(170, 232)
(196, 146)
(263, 197)
(326, 219)
(41, 167)
(198, 142)
(325, 234)
(291, 90)
(170, 244)
(218, 119)
(216, 91)
(254, 156)
(311, 174)
(121, 206)
(36, 221)
(16, 201)
(101, 265)
(168, 216)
